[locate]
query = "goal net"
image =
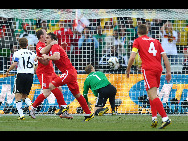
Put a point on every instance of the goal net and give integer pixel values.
(93, 36)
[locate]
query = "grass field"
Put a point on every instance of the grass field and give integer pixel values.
(102, 123)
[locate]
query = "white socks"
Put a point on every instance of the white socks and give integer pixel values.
(163, 119)
(19, 108)
(28, 101)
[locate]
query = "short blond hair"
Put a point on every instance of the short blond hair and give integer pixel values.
(88, 68)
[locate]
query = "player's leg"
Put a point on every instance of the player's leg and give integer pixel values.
(152, 95)
(152, 81)
(154, 114)
(26, 99)
(63, 111)
(44, 80)
(156, 102)
(41, 97)
(27, 88)
(101, 101)
(19, 85)
(74, 88)
(112, 94)
(18, 98)
(57, 91)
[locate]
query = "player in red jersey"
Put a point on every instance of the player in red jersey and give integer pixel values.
(150, 51)
(45, 73)
(69, 73)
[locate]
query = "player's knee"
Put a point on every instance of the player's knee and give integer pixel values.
(18, 97)
(46, 92)
(77, 95)
(51, 86)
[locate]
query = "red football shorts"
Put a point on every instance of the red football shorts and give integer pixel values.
(69, 77)
(151, 78)
(46, 78)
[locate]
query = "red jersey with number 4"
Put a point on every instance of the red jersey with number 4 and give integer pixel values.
(150, 51)
(42, 68)
(63, 63)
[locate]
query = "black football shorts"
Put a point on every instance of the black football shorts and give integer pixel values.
(23, 83)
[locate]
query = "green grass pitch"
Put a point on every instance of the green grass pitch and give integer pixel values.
(99, 123)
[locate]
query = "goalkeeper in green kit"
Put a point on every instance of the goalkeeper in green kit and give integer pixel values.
(102, 89)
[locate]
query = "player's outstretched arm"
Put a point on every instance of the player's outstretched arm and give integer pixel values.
(43, 61)
(46, 49)
(130, 63)
(55, 56)
(167, 64)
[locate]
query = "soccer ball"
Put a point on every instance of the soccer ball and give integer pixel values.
(114, 63)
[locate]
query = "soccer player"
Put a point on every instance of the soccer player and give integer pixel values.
(24, 59)
(102, 89)
(69, 73)
(150, 51)
(45, 73)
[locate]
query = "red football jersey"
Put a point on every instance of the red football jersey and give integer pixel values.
(150, 51)
(64, 62)
(42, 68)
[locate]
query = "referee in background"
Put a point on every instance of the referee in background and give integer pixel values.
(24, 59)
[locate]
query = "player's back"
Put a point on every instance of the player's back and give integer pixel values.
(97, 80)
(42, 68)
(150, 51)
(64, 62)
(25, 59)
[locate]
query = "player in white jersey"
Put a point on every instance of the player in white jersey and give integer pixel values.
(24, 59)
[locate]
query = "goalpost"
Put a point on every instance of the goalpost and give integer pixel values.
(93, 36)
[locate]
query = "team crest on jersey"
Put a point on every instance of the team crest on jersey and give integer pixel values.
(40, 48)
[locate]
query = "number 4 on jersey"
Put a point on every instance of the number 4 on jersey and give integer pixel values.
(152, 49)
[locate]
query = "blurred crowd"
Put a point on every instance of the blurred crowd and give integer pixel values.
(96, 40)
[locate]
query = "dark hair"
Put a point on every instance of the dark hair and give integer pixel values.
(39, 33)
(23, 42)
(52, 35)
(142, 29)
(88, 68)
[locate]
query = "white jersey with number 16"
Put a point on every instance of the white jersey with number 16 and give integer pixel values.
(25, 59)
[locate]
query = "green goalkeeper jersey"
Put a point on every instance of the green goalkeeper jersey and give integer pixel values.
(94, 81)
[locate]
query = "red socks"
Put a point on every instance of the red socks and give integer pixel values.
(153, 109)
(59, 96)
(61, 101)
(83, 104)
(157, 106)
(38, 101)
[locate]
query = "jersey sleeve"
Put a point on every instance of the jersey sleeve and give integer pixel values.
(16, 57)
(38, 48)
(55, 49)
(135, 44)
